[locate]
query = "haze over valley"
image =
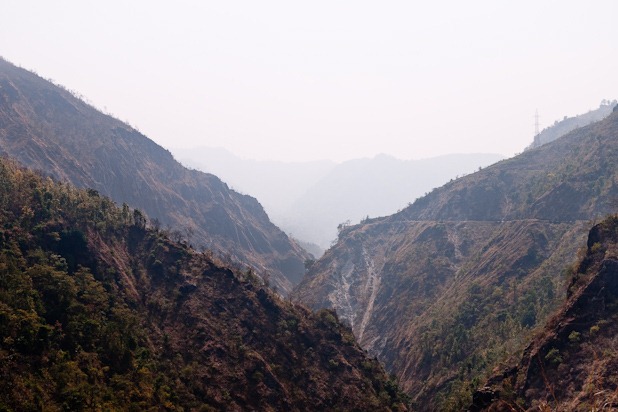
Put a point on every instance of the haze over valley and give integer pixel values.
(309, 200)
(274, 206)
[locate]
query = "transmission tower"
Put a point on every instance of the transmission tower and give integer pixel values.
(536, 122)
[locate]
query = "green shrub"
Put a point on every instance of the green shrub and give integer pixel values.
(553, 356)
(596, 247)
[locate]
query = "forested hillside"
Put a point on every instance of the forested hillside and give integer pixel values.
(101, 311)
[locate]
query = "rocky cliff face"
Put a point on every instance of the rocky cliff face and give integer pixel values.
(45, 127)
(572, 363)
(452, 284)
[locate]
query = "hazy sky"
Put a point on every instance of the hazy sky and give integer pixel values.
(292, 80)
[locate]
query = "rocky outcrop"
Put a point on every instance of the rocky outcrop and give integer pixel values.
(572, 363)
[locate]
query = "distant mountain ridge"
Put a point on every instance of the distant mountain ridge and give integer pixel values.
(310, 199)
(449, 286)
(275, 184)
(47, 128)
(362, 188)
(564, 126)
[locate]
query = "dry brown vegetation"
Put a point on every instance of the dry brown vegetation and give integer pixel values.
(572, 364)
(448, 288)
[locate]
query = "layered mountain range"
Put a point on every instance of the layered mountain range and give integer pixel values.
(448, 287)
(46, 128)
(105, 307)
(311, 199)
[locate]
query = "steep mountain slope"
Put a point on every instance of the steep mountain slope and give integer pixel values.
(450, 285)
(45, 127)
(572, 364)
(99, 312)
(568, 124)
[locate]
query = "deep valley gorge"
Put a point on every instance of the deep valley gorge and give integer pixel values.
(131, 282)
